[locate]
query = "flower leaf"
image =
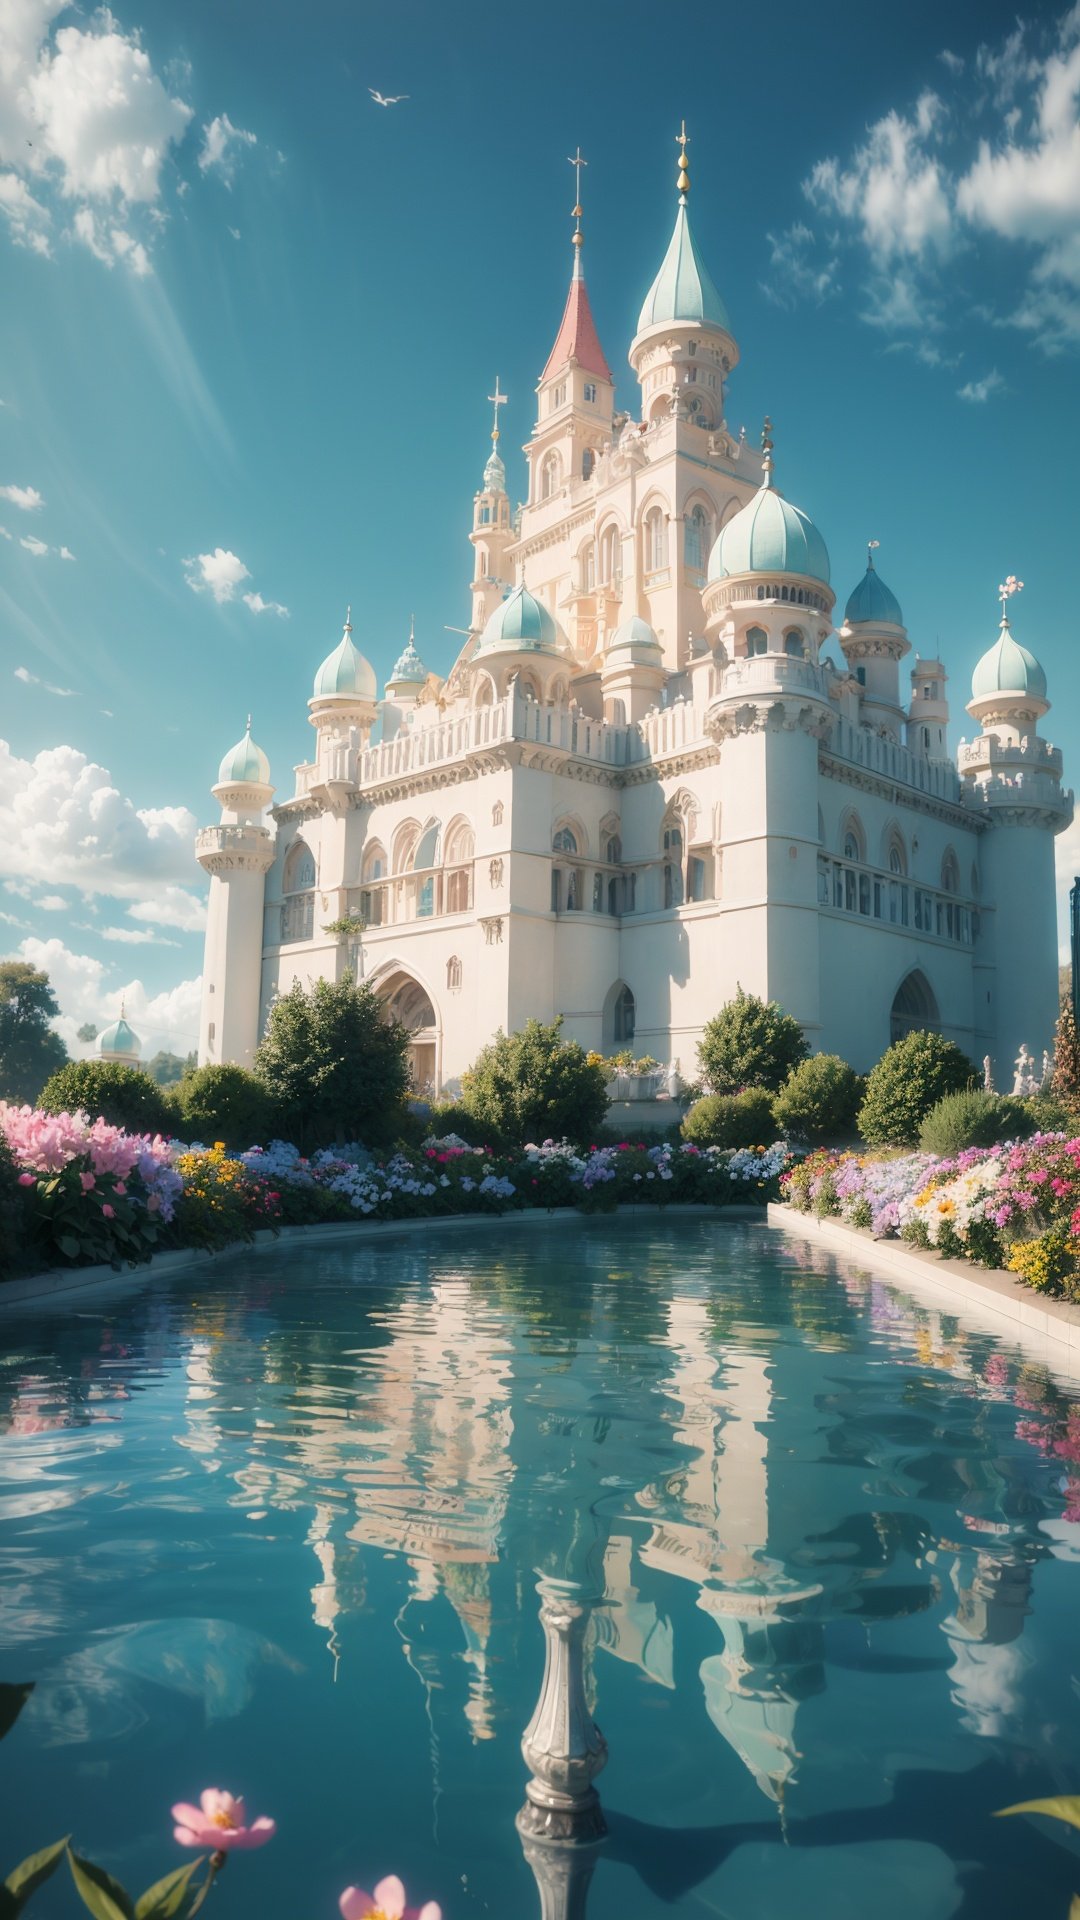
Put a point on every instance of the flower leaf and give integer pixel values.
(100, 1894)
(14, 1695)
(170, 1899)
(32, 1873)
(1062, 1806)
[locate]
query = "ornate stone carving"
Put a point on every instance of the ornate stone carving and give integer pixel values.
(495, 872)
(493, 929)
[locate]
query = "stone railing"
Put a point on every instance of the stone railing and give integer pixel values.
(860, 748)
(766, 672)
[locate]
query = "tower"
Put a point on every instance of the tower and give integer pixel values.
(1013, 777)
(120, 1044)
(237, 855)
(928, 714)
(492, 531)
(874, 640)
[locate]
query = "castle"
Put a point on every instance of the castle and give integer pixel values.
(642, 783)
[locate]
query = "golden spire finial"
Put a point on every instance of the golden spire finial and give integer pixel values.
(497, 400)
(577, 239)
(682, 141)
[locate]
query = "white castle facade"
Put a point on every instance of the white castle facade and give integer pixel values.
(642, 783)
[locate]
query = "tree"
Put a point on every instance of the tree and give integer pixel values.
(533, 1086)
(1066, 1081)
(819, 1099)
(910, 1078)
(223, 1102)
(168, 1068)
(334, 1067)
(29, 1049)
(124, 1096)
(750, 1043)
(87, 1032)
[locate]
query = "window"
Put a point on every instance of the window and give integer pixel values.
(896, 860)
(485, 516)
(588, 568)
(497, 814)
(673, 873)
(609, 556)
(655, 540)
(623, 1021)
(757, 641)
(558, 396)
(453, 974)
(590, 397)
(851, 847)
(860, 675)
(588, 462)
(550, 474)
(692, 349)
(565, 841)
(299, 868)
(697, 539)
(794, 645)
(613, 850)
(926, 739)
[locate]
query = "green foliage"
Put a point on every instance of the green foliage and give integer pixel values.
(223, 1102)
(68, 1225)
(167, 1068)
(87, 1032)
(333, 1066)
(731, 1119)
(910, 1078)
(973, 1119)
(1049, 1115)
(819, 1099)
(29, 1049)
(750, 1043)
(124, 1096)
(1065, 1084)
(14, 1216)
(533, 1086)
(453, 1116)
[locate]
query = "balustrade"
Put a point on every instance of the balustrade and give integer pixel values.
(894, 900)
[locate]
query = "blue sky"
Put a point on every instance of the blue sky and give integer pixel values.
(247, 309)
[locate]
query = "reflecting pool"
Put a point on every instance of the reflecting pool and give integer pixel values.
(278, 1527)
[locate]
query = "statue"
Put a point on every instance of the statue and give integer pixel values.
(1025, 1082)
(674, 1080)
(988, 1074)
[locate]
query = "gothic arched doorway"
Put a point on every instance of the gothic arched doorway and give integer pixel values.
(407, 1001)
(914, 1008)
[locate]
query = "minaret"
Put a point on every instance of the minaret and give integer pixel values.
(236, 854)
(928, 715)
(684, 348)
(492, 533)
(874, 640)
(1012, 778)
(575, 393)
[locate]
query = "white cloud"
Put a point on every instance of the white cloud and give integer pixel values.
(27, 218)
(28, 498)
(894, 188)
(801, 269)
(32, 680)
(979, 391)
(52, 903)
(222, 146)
(951, 60)
(66, 553)
(168, 1020)
(33, 545)
(110, 243)
(172, 907)
(135, 937)
(62, 818)
(220, 573)
(258, 605)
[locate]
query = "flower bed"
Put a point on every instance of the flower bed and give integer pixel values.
(1016, 1205)
(91, 1193)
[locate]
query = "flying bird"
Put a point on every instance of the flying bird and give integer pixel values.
(386, 99)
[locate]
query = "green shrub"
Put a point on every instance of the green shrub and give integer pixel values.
(335, 1068)
(453, 1116)
(750, 1043)
(909, 1079)
(731, 1120)
(973, 1119)
(103, 1089)
(819, 1099)
(1050, 1115)
(533, 1086)
(15, 1218)
(222, 1102)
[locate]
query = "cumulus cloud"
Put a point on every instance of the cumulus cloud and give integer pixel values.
(222, 146)
(32, 680)
(39, 548)
(800, 269)
(168, 1020)
(135, 937)
(172, 907)
(979, 391)
(28, 498)
(258, 605)
(52, 903)
(61, 815)
(998, 159)
(219, 573)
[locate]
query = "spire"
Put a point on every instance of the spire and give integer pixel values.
(1008, 587)
(683, 289)
(577, 338)
(494, 471)
(682, 141)
(871, 546)
(767, 452)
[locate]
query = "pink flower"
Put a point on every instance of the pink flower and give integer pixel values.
(27, 1180)
(386, 1903)
(87, 1182)
(109, 1212)
(120, 1187)
(218, 1822)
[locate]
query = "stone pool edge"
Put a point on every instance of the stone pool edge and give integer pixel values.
(46, 1286)
(989, 1288)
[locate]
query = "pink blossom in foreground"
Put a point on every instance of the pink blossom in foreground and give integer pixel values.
(386, 1903)
(218, 1822)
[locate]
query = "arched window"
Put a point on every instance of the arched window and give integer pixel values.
(757, 641)
(565, 841)
(453, 973)
(623, 1018)
(550, 475)
(588, 463)
(373, 900)
(674, 887)
(497, 812)
(655, 540)
(914, 1008)
(950, 873)
(298, 912)
(460, 852)
(851, 846)
(896, 859)
(794, 644)
(299, 868)
(698, 542)
(609, 556)
(427, 847)
(481, 563)
(613, 849)
(587, 567)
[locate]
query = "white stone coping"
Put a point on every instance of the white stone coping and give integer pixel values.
(59, 1283)
(996, 1301)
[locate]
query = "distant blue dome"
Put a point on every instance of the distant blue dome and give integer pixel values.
(245, 764)
(522, 624)
(119, 1038)
(769, 535)
(345, 674)
(683, 288)
(1007, 667)
(872, 604)
(409, 669)
(634, 632)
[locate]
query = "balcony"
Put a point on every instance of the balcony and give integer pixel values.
(892, 900)
(427, 893)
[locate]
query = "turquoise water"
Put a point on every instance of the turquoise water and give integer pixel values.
(277, 1527)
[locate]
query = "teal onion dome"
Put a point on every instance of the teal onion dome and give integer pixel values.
(345, 674)
(244, 765)
(683, 288)
(872, 604)
(769, 535)
(119, 1038)
(634, 632)
(1007, 667)
(522, 624)
(409, 669)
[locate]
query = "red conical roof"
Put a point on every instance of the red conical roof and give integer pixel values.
(577, 338)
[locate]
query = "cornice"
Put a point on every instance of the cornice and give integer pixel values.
(898, 794)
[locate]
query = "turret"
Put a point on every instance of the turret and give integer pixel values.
(120, 1044)
(684, 348)
(492, 531)
(342, 711)
(767, 590)
(632, 675)
(928, 714)
(575, 393)
(874, 640)
(523, 645)
(237, 855)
